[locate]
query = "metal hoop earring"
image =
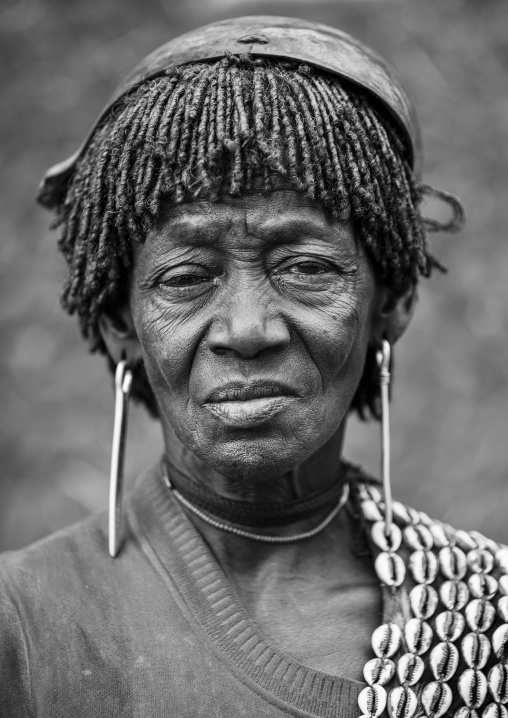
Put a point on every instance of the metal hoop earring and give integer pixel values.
(123, 386)
(383, 356)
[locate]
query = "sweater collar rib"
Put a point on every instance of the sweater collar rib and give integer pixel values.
(176, 548)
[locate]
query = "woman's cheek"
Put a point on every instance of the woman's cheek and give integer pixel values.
(166, 340)
(331, 335)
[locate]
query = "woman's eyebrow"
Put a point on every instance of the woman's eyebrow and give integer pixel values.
(286, 231)
(199, 228)
(195, 229)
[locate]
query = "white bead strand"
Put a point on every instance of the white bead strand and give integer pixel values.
(377, 672)
(498, 675)
(449, 625)
(480, 614)
(423, 598)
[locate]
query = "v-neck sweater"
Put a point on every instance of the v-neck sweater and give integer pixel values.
(159, 631)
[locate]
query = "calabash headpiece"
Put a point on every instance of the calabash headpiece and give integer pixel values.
(284, 38)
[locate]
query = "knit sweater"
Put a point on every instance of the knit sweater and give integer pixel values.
(156, 632)
(160, 632)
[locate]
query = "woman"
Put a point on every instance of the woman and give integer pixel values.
(244, 242)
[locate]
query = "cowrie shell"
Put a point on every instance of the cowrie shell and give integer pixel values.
(452, 561)
(418, 635)
(449, 625)
(494, 710)
(454, 595)
(400, 513)
(500, 641)
(439, 535)
(503, 585)
(386, 640)
(502, 559)
(450, 531)
(465, 713)
(436, 698)
(484, 542)
(391, 542)
(390, 568)
(418, 537)
(479, 538)
(444, 659)
(481, 584)
(402, 702)
(413, 515)
(361, 491)
(480, 561)
(372, 700)
(475, 650)
(370, 510)
(480, 615)
(410, 668)
(502, 608)
(465, 541)
(424, 600)
(472, 687)
(498, 683)
(374, 493)
(425, 519)
(379, 670)
(423, 566)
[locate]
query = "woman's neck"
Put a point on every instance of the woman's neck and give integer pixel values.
(319, 472)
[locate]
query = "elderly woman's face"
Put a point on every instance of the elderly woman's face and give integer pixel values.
(254, 315)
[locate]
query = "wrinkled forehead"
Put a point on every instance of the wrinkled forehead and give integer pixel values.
(256, 220)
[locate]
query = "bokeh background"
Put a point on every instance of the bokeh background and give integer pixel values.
(60, 59)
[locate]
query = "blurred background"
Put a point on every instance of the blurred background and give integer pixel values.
(60, 59)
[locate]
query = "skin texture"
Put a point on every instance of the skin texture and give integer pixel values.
(265, 288)
(253, 288)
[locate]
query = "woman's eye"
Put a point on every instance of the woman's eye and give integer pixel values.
(307, 273)
(185, 279)
(309, 267)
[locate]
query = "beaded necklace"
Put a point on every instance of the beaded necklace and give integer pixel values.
(450, 582)
(262, 538)
(446, 581)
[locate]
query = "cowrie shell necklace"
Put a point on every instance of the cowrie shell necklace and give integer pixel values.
(457, 585)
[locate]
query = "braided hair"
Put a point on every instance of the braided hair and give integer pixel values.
(214, 128)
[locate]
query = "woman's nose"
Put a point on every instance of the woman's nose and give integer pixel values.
(246, 326)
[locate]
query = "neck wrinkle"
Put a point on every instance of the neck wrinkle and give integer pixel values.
(248, 514)
(317, 474)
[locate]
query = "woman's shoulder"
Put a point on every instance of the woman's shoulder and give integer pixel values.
(63, 556)
(41, 586)
(418, 531)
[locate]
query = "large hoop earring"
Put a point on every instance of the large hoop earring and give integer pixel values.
(123, 386)
(383, 356)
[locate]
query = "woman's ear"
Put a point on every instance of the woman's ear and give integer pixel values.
(119, 335)
(392, 314)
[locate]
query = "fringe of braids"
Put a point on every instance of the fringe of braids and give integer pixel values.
(212, 128)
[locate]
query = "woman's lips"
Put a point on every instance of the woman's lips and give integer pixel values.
(249, 404)
(238, 391)
(252, 411)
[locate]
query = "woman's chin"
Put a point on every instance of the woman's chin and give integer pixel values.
(255, 458)
(254, 441)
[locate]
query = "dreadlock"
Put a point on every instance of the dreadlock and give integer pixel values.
(211, 128)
